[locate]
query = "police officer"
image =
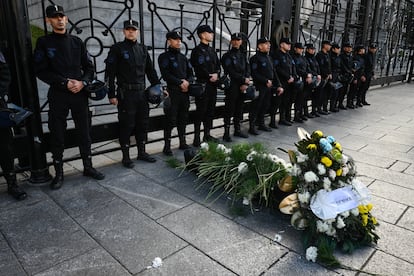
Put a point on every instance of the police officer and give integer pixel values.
(336, 72)
(6, 159)
(285, 68)
(128, 62)
(346, 73)
(316, 79)
(359, 80)
(235, 64)
(262, 73)
(177, 71)
(324, 62)
(369, 71)
(206, 66)
(302, 69)
(61, 60)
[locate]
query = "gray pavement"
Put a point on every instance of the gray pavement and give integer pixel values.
(119, 225)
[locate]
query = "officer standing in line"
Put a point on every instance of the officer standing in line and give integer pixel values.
(316, 76)
(6, 138)
(177, 71)
(206, 66)
(336, 72)
(346, 73)
(128, 62)
(235, 64)
(262, 73)
(276, 98)
(286, 71)
(324, 62)
(61, 60)
(359, 78)
(369, 70)
(302, 69)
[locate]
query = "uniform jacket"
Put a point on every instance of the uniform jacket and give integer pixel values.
(285, 66)
(235, 64)
(204, 61)
(324, 62)
(369, 64)
(261, 68)
(301, 65)
(336, 66)
(313, 64)
(346, 64)
(359, 66)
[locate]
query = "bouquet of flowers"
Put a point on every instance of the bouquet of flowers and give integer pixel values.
(244, 171)
(330, 204)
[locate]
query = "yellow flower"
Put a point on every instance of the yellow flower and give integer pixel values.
(369, 207)
(326, 161)
(338, 146)
(318, 133)
(311, 147)
(362, 209)
(339, 172)
(374, 221)
(364, 220)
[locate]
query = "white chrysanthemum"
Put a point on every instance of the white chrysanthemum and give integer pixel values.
(304, 197)
(345, 159)
(246, 201)
(277, 238)
(204, 146)
(310, 176)
(355, 212)
(264, 155)
(331, 231)
(221, 147)
(242, 168)
(311, 253)
(227, 151)
(345, 214)
(326, 184)
(250, 156)
(341, 183)
(345, 171)
(322, 226)
(295, 170)
(227, 159)
(321, 169)
(340, 223)
(301, 157)
(332, 174)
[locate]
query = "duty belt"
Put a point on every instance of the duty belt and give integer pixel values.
(132, 86)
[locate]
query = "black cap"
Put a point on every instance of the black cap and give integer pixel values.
(359, 47)
(262, 40)
(236, 36)
(299, 45)
(204, 28)
(131, 24)
(310, 46)
(173, 35)
(324, 42)
(346, 44)
(285, 40)
(336, 45)
(373, 45)
(54, 10)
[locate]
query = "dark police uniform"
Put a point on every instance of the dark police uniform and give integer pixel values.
(336, 72)
(236, 65)
(59, 57)
(358, 84)
(347, 75)
(315, 71)
(6, 154)
(174, 68)
(302, 69)
(285, 68)
(324, 62)
(369, 72)
(262, 71)
(205, 62)
(128, 62)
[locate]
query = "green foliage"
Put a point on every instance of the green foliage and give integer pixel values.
(36, 33)
(173, 162)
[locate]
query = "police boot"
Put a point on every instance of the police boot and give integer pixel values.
(126, 160)
(226, 136)
(196, 142)
(272, 123)
(238, 132)
(13, 189)
(57, 182)
(252, 128)
(181, 137)
(207, 137)
(364, 101)
(90, 171)
(142, 155)
(298, 117)
(167, 143)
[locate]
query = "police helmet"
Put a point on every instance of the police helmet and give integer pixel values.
(97, 90)
(224, 82)
(196, 89)
(154, 93)
(251, 93)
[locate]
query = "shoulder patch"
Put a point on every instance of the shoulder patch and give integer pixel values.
(201, 59)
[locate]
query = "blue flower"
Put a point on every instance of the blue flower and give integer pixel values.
(330, 139)
(325, 145)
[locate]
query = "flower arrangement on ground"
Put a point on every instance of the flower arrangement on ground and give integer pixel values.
(243, 171)
(330, 204)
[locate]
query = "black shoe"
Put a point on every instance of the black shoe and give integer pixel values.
(359, 104)
(93, 173)
(241, 134)
(167, 151)
(350, 106)
(298, 120)
(209, 138)
(285, 123)
(16, 192)
(304, 118)
(366, 103)
(341, 106)
(310, 115)
(315, 114)
(146, 157)
(264, 128)
(184, 146)
(323, 112)
(227, 138)
(253, 131)
(273, 125)
(334, 110)
(128, 163)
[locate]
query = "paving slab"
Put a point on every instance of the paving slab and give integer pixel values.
(188, 262)
(41, 235)
(95, 262)
(217, 236)
(9, 265)
(387, 210)
(128, 235)
(400, 166)
(407, 219)
(386, 264)
(397, 178)
(368, 158)
(393, 192)
(34, 195)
